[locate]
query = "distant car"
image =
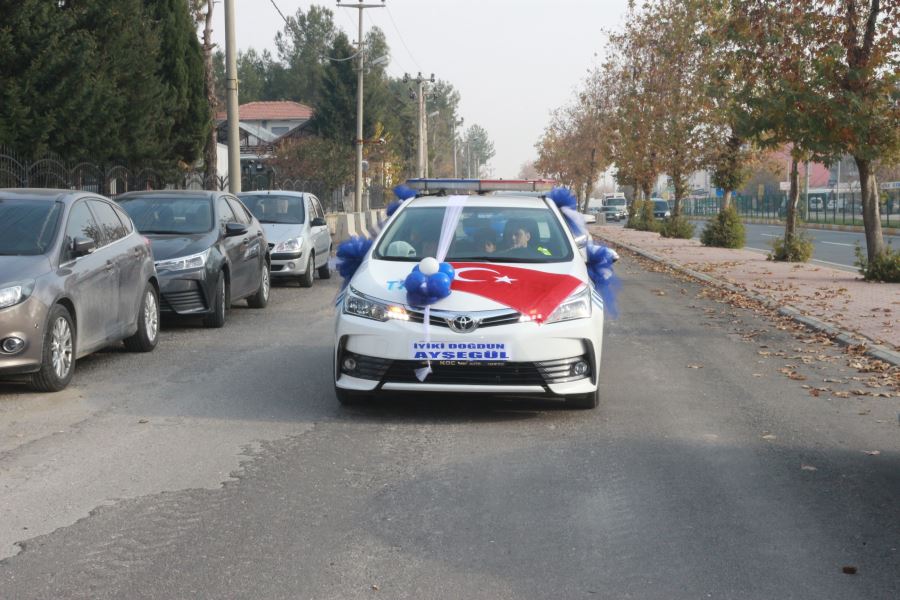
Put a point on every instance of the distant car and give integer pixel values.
(75, 277)
(298, 236)
(590, 217)
(210, 251)
(661, 209)
(614, 213)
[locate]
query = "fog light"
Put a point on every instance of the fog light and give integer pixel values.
(12, 345)
(349, 364)
(580, 368)
(291, 266)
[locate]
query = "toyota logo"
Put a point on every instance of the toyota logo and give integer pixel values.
(463, 324)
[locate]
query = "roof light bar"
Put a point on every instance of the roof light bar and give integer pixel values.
(481, 185)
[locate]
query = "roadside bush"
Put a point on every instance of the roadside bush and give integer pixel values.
(677, 227)
(724, 231)
(642, 218)
(799, 250)
(885, 267)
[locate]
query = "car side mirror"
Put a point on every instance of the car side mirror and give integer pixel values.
(233, 229)
(582, 240)
(317, 222)
(83, 246)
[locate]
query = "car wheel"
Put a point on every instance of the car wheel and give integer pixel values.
(147, 335)
(324, 271)
(261, 297)
(584, 401)
(220, 304)
(58, 356)
(306, 280)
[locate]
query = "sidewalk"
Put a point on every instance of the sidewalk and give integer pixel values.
(840, 299)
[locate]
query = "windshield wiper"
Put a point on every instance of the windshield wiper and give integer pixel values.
(160, 232)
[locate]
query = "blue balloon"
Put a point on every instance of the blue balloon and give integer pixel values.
(564, 197)
(447, 269)
(600, 261)
(439, 285)
(404, 192)
(415, 280)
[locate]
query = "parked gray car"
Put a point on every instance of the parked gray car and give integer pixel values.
(75, 277)
(297, 233)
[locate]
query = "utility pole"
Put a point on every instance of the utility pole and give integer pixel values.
(455, 151)
(422, 124)
(360, 50)
(231, 88)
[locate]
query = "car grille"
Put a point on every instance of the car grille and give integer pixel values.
(487, 319)
(510, 373)
(182, 302)
(286, 255)
(474, 373)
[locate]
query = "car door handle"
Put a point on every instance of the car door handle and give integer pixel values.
(109, 265)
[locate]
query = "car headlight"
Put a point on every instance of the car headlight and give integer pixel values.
(576, 306)
(369, 308)
(13, 294)
(183, 263)
(292, 245)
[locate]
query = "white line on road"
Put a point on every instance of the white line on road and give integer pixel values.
(836, 244)
(769, 235)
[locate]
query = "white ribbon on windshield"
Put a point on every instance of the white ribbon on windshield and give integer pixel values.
(452, 213)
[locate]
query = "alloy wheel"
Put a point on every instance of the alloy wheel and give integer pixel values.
(151, 315)
(61, 348)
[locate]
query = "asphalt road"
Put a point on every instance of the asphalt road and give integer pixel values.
(832, 248)
(221, 466)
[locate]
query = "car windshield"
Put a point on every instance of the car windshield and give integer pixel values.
(275, 208)
(661, 204)
(485, 234)
(616, 202)
(169, 214)
(28, 226)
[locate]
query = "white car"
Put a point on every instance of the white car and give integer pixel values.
(299, 240)
(522, 319)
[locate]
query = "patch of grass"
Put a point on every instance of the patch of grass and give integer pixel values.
(642, 217)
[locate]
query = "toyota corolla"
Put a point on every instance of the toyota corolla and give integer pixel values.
(522, 318)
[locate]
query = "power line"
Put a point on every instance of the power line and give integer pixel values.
(279, 10)
(402, 41)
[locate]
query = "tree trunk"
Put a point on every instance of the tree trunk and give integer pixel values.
(726, 199)
(871, 208)
(680, 185)
(790, 223)
(210, 152)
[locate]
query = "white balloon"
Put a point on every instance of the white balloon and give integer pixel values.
(429, 266)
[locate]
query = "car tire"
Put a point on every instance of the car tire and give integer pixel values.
(220, 304)
(584, 401)
(147, 335)
(306, 280)
(324, 270)
(261, 297)
(58, 355)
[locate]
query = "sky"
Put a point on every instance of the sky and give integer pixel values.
(512, 61)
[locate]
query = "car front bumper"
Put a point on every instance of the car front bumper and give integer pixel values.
(538, 355)
(185, 293)
(289, 264)
(25, 321)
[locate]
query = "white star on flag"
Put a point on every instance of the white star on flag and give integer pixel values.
(504, 279)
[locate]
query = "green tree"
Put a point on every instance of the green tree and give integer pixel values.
(480, 148)
(336, 110)
(303, 47)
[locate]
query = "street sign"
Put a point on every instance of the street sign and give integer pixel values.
(890, 185)
(784, 186)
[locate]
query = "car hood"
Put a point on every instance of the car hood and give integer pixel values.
(19, 268)
(279, 232)
(383, 279)
(172, 246)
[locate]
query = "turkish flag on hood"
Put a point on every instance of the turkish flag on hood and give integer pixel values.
(529, 291)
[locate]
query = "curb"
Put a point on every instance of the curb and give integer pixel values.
(841, 336)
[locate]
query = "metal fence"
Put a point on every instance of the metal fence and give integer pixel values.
(845, 209)
(52, 171)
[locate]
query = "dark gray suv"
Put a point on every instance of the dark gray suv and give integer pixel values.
(75, 277)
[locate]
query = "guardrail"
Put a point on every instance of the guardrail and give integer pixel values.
(843, 210)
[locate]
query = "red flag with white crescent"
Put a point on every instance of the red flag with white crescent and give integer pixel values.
(531, 292)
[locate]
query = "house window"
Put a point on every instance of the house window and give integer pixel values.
(280, 130)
